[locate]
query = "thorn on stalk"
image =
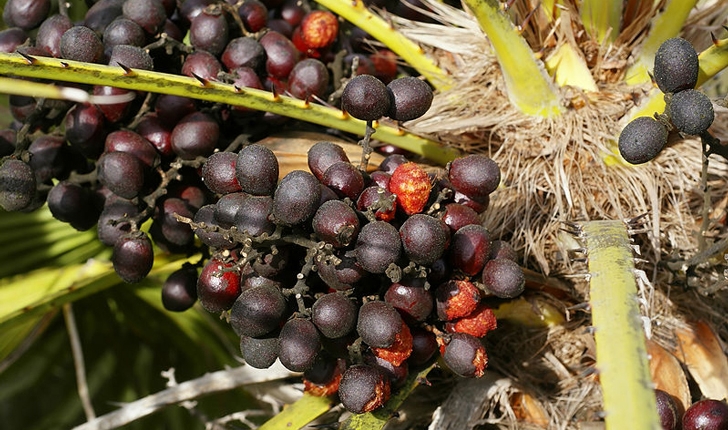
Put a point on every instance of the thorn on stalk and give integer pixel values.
(204, 81)
(127, 70)
(28, 58)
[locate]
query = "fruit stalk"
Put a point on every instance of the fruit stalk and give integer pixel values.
(142, 80)
(529, 87)
(622, 361)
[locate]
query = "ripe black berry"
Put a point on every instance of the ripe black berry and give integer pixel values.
(642, 139)
(366, 98)
(691, 112)
(676, 66)
(706, 414)
(410, 98)
(133, 257)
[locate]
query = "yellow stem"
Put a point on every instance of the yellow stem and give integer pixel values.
(664, 26)
(529, 86)
(622, 361)
(142, 80)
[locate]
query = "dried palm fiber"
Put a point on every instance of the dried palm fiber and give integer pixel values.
(564, 167)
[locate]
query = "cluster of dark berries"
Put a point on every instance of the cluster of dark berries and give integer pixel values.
(347, 275)
(138, 158)
(688, 111)
(707, 414)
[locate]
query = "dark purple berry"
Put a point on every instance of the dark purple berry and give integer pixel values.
(257, 170)
(363, 388)
(334, 314)
(378, 324)
(366, 98)
(299, 344)
(706, 414)
(676, 66)
(296, 198)
(378, 245)
(258, 311)
(423, 238)
(179, 291)
(410, 98)
(503, 278)
(133, 257)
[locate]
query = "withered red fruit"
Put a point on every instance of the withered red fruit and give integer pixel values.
(400, 349)
(412, 186)
(477, 323)
(456, 299)
(319, 29)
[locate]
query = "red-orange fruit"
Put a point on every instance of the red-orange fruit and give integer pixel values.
(456, 299)
(477, 323)
(412, 186)
(323, 378)
(319, 29)
(400, 349)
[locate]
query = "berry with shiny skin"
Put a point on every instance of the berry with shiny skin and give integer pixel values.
(366, 98)
(410, 98)
(133, 257)
(474, 175)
